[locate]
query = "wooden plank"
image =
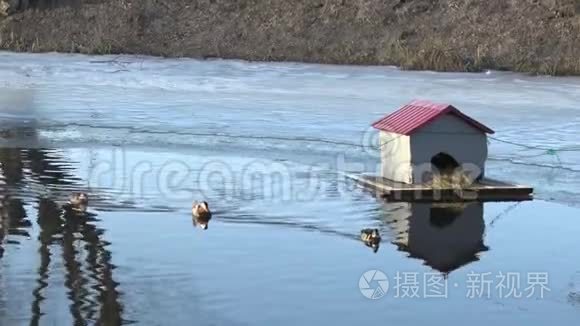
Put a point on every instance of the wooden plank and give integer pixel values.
(485, 190)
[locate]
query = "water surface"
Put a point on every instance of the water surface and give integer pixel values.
(262, 143)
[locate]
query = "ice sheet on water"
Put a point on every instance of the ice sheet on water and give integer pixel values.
(276, 109)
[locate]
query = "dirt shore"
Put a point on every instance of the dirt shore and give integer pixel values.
(536, 36)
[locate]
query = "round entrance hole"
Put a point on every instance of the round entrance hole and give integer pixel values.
(444, 163)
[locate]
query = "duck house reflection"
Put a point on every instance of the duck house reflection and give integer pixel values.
(445, 236)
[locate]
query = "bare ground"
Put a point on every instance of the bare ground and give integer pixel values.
(536, 36)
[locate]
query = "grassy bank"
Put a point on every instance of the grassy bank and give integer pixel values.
(535, 36)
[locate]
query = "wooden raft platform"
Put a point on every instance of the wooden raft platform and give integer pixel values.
(484, 190)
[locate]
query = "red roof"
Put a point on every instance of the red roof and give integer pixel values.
(418, 113)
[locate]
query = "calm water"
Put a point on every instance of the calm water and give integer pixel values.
(262, 144)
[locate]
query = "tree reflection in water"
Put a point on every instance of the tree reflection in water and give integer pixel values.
(91, 289)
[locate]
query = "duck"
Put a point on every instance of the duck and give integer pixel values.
(201, 214)
(78, 201)
(371, 237)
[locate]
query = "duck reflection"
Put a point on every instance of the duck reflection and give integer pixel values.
(445, 236)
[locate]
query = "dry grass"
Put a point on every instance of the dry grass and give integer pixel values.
(445, 35)
(435, 56)
(13, 42)
(456, 180)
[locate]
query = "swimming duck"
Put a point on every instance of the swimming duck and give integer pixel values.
(371, 238)
(201, 214)
(78, 201)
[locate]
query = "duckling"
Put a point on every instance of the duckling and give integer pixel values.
(371, 238)
(78, 201)
(201, 214)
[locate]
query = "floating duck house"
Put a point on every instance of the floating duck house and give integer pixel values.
(432, 151)
(423, 136)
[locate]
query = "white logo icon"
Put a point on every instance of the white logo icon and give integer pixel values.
(373, 284)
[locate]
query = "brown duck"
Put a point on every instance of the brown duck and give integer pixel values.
(78, 201)
(201, 214)
(371, 238)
